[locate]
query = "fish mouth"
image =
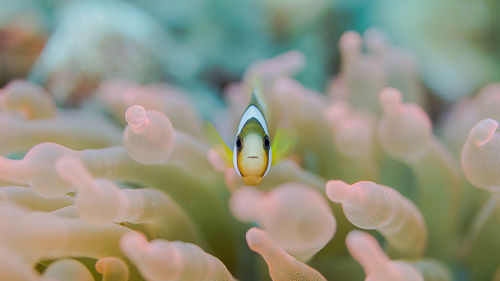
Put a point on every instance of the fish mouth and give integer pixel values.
(253, 157)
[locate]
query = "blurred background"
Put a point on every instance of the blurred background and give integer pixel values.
(201, 46)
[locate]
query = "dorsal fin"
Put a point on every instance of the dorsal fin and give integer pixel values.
(258, 100)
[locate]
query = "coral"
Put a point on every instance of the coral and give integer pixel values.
(71, 68)
(28, 99)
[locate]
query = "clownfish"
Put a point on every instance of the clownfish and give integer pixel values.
(253, 153)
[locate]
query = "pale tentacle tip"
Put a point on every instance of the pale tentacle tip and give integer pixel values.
(390, 99)
(216, 160)
(338, 191)
(133, 241)
(350, 40)
(136, 117)
(483, 131)
(337, 112)
(256, 238)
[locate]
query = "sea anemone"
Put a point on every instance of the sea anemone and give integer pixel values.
(127, 187)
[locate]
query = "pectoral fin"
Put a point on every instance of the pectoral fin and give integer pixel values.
(217, 143)
(283, 144)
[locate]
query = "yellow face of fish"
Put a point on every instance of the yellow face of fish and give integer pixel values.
(252, 154)
(252, 146)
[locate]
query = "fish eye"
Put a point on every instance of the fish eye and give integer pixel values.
(267, 143)
(238, 143)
